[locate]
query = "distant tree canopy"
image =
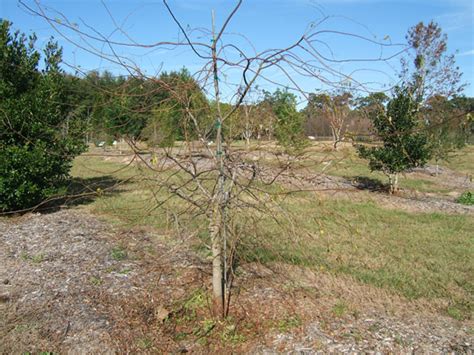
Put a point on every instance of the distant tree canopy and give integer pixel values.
(365, 108)
(316, 123)
(156, 110)
(448, 125)
(288, 121)
(38, 140)
(464, 106)
(372, 104)
(428, 68)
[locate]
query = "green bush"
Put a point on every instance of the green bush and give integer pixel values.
(28, 176)
(467, 198)
(38, 141)
(404, 145)
(289, 130)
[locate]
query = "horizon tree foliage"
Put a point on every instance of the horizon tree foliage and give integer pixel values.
(448, 126)
(372, 103)
(364, 109)
(251, 118)
(188, 109)
(120, 105)
(429, 68)
(316, 124)
(126, 107)
(404, 144)
(38, 141)
(465, 106)
(91, 97)
(245, 123)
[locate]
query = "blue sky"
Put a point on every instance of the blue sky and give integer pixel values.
(264, 23)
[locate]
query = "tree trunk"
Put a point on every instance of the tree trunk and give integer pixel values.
(217, 222)
(335, 138)
(247, 135)
(393, 183)
(216, 249)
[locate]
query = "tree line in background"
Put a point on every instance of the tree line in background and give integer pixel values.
(49, 116)
(116, 107)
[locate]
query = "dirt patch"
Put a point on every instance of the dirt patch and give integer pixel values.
(71, 283)
(51, 267)
(444, 176)
(406, 200)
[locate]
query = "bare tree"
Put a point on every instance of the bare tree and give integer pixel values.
(206, 173)
(335, 110)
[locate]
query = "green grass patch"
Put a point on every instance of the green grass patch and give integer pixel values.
(340, 308)
(118, 253)
(467, 198)
(288, 323)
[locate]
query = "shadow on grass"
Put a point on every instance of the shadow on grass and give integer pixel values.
(82, 191)
(370, 184)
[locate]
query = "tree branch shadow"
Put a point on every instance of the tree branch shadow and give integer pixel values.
(82, 191)
(369, 184)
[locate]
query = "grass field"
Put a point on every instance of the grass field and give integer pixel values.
(415, 255)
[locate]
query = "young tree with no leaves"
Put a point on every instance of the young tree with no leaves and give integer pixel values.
(208, 176)
(335, 110)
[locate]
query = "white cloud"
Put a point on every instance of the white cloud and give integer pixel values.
(466, 53)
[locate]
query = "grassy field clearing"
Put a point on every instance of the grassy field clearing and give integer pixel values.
(416, 255)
